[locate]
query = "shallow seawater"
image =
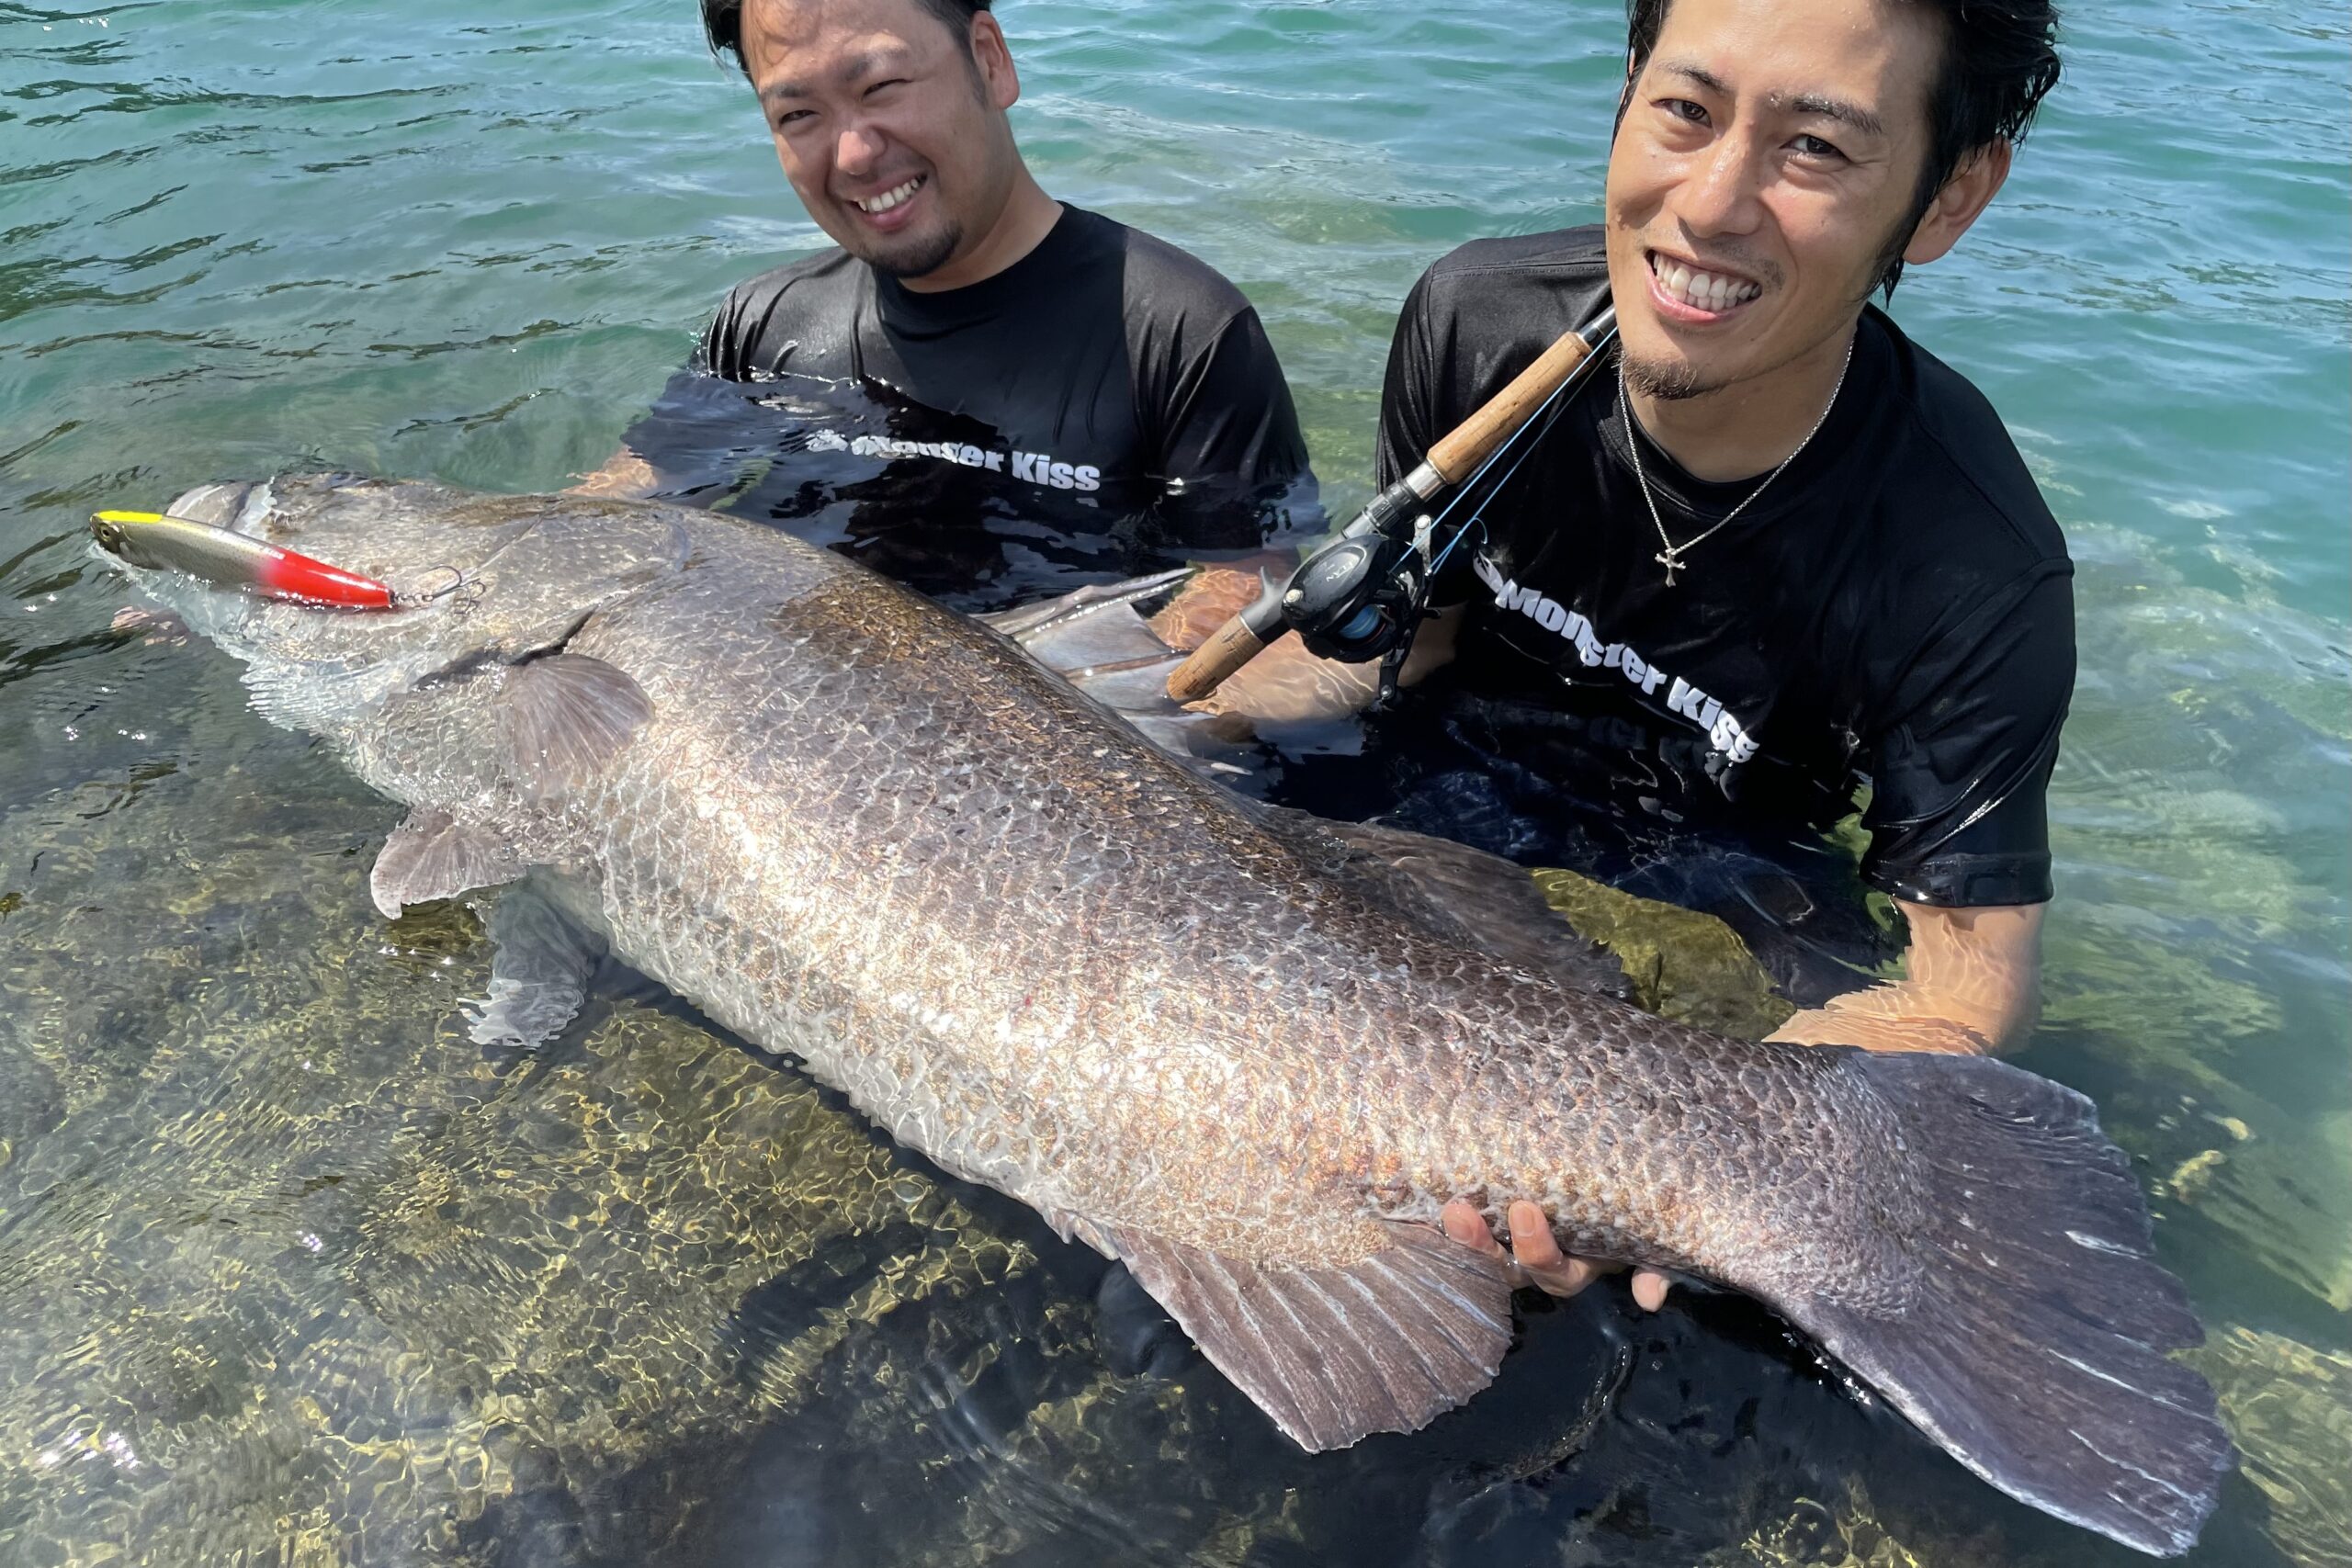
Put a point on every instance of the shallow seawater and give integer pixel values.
(291, 1272)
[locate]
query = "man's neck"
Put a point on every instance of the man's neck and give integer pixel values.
(1751, 427)
(1027, 217)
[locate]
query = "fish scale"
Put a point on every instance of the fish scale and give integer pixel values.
(1247, 1054)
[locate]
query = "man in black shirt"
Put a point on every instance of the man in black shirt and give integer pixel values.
(983, 390)
(1783, 552)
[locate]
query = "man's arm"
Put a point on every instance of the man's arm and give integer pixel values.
(1228, 443)
(1973, 986)
(682, 411)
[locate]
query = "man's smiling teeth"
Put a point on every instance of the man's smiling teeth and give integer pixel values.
(891, 197)
(1705, 290)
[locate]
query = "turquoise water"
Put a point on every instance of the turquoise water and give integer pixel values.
(470, 243)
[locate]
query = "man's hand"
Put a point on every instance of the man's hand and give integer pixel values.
(1286, 685)
(1973, 987)
(624, 476)
(1537, 1258)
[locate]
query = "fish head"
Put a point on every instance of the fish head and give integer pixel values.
(475, 578)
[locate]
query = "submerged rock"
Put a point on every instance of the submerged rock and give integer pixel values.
(2289, 1407)
(1684, 966)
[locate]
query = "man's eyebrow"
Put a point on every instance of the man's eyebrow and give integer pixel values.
(874, 63)
(1861, 119)
(1844, 113)
(1702, 76)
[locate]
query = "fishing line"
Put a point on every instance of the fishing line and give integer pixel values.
(1527, 437)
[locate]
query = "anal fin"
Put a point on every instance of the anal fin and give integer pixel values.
(1332, 1355)
(431, 855)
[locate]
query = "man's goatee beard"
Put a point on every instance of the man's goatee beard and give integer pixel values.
(920, 260)
(1666, 383)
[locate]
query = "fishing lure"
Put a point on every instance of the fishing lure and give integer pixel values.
(230, 559)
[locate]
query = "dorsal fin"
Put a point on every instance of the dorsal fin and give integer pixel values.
(1462, 895)
(1382, 1345)
(430, 855)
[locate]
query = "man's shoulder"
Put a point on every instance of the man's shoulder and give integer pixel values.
(1580, 252)
(1482, 311)
(1564, 273)
(810, 305)
(1958, 436)
(825, 269)
(1159, 277)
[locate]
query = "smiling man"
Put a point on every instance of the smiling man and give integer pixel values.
(1785, 559)
(981, 388)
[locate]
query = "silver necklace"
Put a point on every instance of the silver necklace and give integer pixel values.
(1671, 557)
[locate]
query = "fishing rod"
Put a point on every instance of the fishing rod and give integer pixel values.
(1360, 597)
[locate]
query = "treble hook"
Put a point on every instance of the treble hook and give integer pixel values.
(469, 590)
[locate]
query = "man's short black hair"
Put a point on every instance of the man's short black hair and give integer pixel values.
(722, 22)
(2000, 60)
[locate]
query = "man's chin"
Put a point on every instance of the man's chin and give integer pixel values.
(1668, 379)
(904, 257)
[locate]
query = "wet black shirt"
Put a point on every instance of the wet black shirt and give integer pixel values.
(1106, 405)
(1894, 611)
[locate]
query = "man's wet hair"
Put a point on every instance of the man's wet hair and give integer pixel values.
(2000, 60)
(722, 23)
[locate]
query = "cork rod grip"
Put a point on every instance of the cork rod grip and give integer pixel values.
(1232, 646)
(1468, 444)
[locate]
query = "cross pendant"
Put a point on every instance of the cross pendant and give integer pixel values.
(1667, 559)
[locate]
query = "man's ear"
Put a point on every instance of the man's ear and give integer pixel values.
(1000, 82)
(1956, 206)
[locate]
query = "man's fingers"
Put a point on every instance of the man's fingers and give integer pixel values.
(1466, 1225)
(1530, 1237)
(1536, 1256)
(1533, 1244)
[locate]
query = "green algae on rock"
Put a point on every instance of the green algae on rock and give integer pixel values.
(1684, 966)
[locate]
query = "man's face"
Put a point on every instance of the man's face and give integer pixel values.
(889, 123)
(1769, 151)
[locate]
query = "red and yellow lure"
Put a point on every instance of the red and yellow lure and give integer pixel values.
(228, 559)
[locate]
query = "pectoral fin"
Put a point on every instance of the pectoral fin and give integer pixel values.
(563, 718)
(1383, 1345)
(432, 856)
(538, 979)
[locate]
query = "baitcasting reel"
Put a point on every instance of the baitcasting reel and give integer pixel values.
(1359, 598)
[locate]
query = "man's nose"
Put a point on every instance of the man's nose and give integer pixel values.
(857, 149)
(1724, 192)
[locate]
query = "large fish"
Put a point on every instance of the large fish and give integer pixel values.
(1236, 1049)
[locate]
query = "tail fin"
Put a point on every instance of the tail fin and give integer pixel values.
(2034, 1349)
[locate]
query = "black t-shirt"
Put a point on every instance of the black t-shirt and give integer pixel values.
(1105, 405)
(1895, 609)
